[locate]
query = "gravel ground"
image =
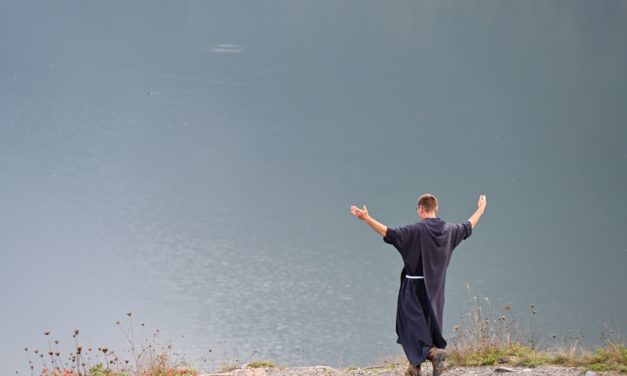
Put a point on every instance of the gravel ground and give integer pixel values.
(398, 371)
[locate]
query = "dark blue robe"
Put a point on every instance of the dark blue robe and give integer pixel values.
(426, 248)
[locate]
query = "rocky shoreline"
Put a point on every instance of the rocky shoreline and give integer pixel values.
(398, 371)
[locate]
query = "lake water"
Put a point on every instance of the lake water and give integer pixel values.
(193, 162)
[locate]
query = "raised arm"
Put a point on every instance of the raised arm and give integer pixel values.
(479, 212)
(362, 214)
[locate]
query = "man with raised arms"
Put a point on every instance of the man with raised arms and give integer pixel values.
(426, 248)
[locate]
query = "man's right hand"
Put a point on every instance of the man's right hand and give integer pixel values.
(482, 202)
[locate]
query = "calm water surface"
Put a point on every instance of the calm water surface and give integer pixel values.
(193, 162)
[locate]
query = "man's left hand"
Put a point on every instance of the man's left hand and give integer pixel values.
(360, 213)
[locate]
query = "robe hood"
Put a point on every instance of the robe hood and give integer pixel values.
(436, 228)
(435, 261)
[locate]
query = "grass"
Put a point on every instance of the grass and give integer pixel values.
(612, 357)
(261, 364)
(146, 356)
(484, 338)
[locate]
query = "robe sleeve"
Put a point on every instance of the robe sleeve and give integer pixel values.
(461, 232)
(398, 237)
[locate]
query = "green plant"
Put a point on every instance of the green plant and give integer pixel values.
(100, 370)
(261, 364)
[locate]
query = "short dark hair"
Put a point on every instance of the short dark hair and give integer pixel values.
(428, 202)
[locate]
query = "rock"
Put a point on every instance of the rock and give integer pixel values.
(504, 369)
(589, 373)
(508, 359)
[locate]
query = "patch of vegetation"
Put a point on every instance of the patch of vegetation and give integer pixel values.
(261, 364)
(484, 339)
(611, 357)
(146, 357)
(100, 370)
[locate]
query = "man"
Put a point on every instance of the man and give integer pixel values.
(426, 248)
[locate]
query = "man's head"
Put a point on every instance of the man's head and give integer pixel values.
(427, 206)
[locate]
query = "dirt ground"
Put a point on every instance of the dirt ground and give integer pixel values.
(398, 371)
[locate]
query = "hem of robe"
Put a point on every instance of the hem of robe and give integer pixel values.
(417, 327)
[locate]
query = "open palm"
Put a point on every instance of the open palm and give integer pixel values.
(360, 213)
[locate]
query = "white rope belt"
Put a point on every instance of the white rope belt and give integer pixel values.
(414, 276)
